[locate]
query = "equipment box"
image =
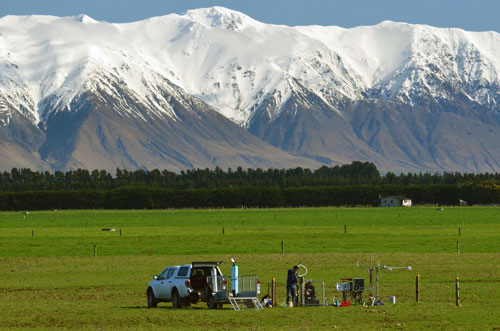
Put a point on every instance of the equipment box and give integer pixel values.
(343, 287)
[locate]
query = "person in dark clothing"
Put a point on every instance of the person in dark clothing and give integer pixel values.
(291, 285)
(310, 294)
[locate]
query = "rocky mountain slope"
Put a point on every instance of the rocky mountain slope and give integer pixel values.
(215, 87)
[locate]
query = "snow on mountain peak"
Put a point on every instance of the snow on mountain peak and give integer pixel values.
(82, 18)
(237, 70)
(220, 17)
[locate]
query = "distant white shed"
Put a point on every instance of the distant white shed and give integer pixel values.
(395, 201)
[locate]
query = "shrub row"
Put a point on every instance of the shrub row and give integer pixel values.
(151, 198)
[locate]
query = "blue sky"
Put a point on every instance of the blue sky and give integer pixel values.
(475, 15)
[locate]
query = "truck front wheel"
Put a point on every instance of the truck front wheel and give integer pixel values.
(151, 299)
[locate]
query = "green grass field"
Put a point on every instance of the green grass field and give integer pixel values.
(49, 277)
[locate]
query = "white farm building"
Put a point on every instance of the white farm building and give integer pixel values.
(395, 201)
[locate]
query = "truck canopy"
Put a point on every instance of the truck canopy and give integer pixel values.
(206, 264)
(202, 273)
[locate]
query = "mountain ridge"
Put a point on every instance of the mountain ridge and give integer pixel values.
(301, 89)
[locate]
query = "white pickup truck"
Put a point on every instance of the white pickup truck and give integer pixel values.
(188, 284)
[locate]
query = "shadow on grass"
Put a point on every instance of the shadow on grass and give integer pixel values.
(171, 308)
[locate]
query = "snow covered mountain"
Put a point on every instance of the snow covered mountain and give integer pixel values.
(406, 97)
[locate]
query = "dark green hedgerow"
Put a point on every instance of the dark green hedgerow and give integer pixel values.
(262, 197)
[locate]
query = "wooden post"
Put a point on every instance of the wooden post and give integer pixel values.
(457, 291)
(371, 282)
(273, 292)
(458, 247)
(223, 230)
(417, 288)
(345, 229)
(282, 247)
(459, 231)
(95, 250)
(302, 290)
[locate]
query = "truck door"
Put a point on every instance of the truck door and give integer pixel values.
(169, 283)
(160, 284)
(165, 287)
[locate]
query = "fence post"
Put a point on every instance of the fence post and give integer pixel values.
(282, 247)
(417, 288)
(458, 247)
(273, 292)
(345, 229)
(222, 230)
(457, 291)
(302, 294)
(95, 250)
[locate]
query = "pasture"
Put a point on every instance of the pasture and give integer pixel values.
(49, 277)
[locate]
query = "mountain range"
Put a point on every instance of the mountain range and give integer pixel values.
(214, 87)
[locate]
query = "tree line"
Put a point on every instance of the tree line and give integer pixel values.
(356, 173)
(27, 179)
(358, 183)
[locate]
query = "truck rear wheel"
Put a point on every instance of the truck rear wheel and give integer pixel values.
(176, 299)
